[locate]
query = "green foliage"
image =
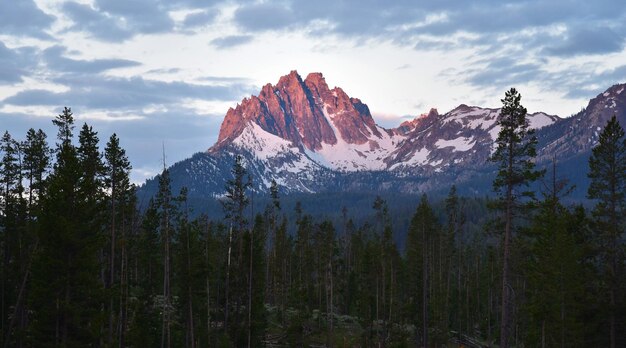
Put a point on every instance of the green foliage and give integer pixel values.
(556, 275)
(81, 266)
(607, 171)
(515, 149)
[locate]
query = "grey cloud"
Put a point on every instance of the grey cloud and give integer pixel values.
(164, 71)
(585, 85)
(9, 71)
(140, 16)
(55, 60)
(504, 77)
(15, 63)
(124, 93)
(199, 19)
(231, 41)
(223, 79)
(264, 16)
(24, 18)
(588, 41)
(97, 24)
(118, 20)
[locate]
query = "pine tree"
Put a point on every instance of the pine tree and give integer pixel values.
(14, 238)
(514, 153)
(145, 322)
(257, 316)
(120, 209)
(555, 271)
(36, 163)
(165, 204)
(190, 275)
(65, 289)
(607, 171)
(423, 228)
(453, 248)
(234, 205)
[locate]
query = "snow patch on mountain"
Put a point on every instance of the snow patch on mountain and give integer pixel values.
(540, 120)
(261, 143)
(458, 144)
(346, 157)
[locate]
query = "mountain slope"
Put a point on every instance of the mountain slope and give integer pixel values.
(311, 138)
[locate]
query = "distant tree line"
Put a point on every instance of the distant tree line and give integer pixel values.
(81, 265)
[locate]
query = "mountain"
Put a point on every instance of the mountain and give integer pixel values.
(311, 138)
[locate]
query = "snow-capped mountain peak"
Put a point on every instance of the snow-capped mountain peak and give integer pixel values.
(310, 138)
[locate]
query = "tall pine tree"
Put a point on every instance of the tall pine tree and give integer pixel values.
(515, 149)
(607, 171)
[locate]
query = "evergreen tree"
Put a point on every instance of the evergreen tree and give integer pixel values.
(146, 318)
(120, 204)
(234, 205)
(423, 228)
(607, 171)
(515, 148)
(556, 272)
(455, 224)
(65, 296)
(165, 204)
(13, 233)
(36, 163)
(257, 316)
(191, 273)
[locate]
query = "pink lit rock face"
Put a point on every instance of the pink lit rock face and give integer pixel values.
(303, 112)
(328, 128)
(309, 137)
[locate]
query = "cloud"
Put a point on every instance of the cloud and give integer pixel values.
(24, 18)
(140, 16)
(502, 72)
(9, 71)
(599, 40)
(581, 84)
(99, 25)
(15, 63)
(55, 60)
(264, 16)
(116, 93)
(118, 20)
(164, 71)
(199, 19)
(231, 41)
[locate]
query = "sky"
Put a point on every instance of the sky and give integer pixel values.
(163, 73)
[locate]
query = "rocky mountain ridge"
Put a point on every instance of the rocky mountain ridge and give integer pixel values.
(311, 138)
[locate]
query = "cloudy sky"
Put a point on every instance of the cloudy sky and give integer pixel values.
(166, 71)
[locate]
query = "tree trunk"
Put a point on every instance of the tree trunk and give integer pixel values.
(504, 324)
(250, 289)
(424, 287)
(112, 256)
(190, 295)
(227, 285)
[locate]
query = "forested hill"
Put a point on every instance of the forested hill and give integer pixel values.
(82, 265)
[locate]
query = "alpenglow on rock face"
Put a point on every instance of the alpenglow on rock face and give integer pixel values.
(311, 138)
(338, 132)
(334, 130)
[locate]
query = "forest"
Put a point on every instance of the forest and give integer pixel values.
(83, 265)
